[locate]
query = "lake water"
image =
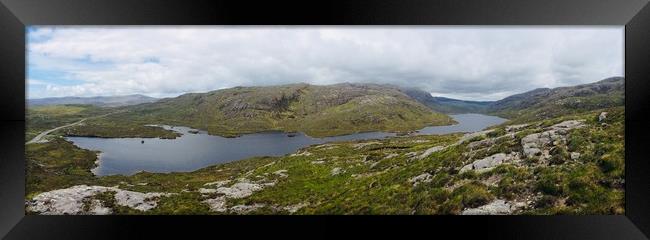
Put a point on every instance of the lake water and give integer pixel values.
(193, 151)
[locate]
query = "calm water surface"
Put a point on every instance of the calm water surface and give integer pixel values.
(193, 151)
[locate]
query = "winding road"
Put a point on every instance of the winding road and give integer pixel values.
(40, 138)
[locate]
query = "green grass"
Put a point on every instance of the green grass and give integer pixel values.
(318, 111)
(41, 118)
(372, 183)
(57, 164)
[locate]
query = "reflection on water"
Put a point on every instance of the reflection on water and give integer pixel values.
(193, 151)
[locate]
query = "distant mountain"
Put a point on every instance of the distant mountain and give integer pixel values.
(316, 110)
(446, 105)
(546, 103)
(537, 103)
(343, 109)
(102, 101)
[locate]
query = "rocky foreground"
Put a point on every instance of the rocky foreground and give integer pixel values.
(567, 165)
(82, 199)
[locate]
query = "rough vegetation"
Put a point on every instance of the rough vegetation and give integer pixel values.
(535, 104)
(41, 118)
(399, 175)
(315, 110)
(545, 103)
(562, 162)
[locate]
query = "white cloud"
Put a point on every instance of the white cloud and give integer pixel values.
(471, 63)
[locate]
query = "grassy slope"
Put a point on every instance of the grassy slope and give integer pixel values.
(536, 104)
(370, 183)
(316, 110)
(41, 118)
(548, 103)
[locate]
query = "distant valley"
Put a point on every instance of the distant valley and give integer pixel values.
(537, 103)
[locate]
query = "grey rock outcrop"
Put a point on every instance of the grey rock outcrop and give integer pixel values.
(430, 151)
(336, 171)
(70, 200)
(217, 183)
(482, 143)
(281, 173)
(513, 128)
(602, 116)
(469, 136)
(392, 155)
(488, 163)
(534, 143)
(422, 178)
(240, 189)
(496, 207)
(575, 155)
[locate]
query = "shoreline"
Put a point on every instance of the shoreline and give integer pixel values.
(182, 130)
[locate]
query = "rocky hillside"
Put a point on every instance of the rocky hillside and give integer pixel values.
(101, 101)
(316, 110)
(572, 164)
(544, 102)
(539, 103)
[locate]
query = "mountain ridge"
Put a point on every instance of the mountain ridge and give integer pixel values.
(317, 110)
(343, 108)
(103, 101)
(552, 102)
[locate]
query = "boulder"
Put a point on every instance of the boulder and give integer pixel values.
(569, 124)
(429, 151)
(486, 163)
(469, 136)
(466, 168)
(513, 128)
(281, 173)
(217, 204)
(336, 171)
(534, 143)
(425, 177)
(575, 155)
(240, 190)
(361, 145)
(207, 190)
(217, 183)
(490, 161)
(303, 153)
(602, 116)
(243, 209)
(531, 151)
(70, 200)
(411, 154)
(480, 144)
(392, 155)
(294, 208)
(496, 207)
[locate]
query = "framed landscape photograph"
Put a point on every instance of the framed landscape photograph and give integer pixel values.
(309, 119)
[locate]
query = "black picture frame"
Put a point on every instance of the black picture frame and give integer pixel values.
(16, 14)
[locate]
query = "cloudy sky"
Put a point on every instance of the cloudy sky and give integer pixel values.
(473, 63)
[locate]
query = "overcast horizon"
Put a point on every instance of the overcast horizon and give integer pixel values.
(468, 63)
